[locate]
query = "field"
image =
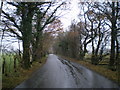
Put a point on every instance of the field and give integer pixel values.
(12, 75)
(10, 64)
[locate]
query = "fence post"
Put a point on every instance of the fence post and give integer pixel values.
(3, 66)
(15, 63)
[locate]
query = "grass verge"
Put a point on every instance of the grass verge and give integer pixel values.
(16, 78)
(111, 75)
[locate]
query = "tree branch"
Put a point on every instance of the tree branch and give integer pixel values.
(48, 20)
(12, 19)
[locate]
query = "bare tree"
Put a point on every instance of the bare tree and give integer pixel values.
(111, 11)
(23, 24)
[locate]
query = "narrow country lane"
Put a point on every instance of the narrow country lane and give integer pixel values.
(59, 73)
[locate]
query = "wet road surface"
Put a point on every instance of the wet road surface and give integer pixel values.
(59, 73)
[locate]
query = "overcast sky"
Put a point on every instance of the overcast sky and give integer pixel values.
(67, 17)
(71, 14)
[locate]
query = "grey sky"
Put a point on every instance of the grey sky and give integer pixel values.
(68, 16)
(71, 14)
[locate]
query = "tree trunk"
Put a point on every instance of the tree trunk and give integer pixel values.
(27, 35)
(85, 50)
(93, 48)
(1, 8)
(26, 54)
(113, 38)
(37, 47)
(38, 39)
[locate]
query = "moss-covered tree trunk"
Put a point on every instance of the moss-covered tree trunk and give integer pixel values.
(27, 36)
(37, 47)
(37, 44)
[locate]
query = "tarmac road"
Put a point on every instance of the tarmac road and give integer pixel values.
(59, 73)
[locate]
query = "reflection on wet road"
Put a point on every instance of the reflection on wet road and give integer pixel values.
(59, 73)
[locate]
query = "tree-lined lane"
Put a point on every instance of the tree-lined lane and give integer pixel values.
(59, 73)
